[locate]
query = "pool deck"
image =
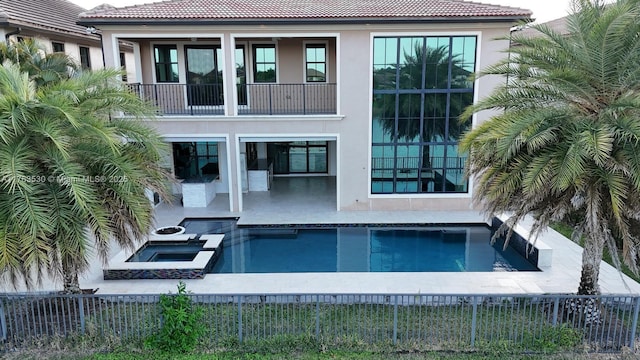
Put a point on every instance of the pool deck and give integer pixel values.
(312, 201)
(561, 277)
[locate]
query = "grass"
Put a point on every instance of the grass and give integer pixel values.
(319, 355)
(364, 323)
(566, 230)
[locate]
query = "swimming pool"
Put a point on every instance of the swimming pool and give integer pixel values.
(167, 251)
(369, 248)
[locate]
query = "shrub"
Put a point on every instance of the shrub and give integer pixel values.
(181, 323)
(555, 338)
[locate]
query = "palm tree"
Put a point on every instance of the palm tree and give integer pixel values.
(72, 178)
(566, 142)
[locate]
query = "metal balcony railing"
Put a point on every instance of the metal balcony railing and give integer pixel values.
(253, 99)
(412, 162)
(183, 99)
(287, 99)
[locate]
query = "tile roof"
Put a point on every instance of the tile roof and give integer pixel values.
(305, 10)
(558, 25)
(44, 15)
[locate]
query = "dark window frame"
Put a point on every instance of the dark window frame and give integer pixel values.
(380, 166)
(218, 84)
(85, 57)
(241, 76)
(165, 65)
(255, 64)
(307, 62)
(180, 158)
(123, 65)
(57, 46)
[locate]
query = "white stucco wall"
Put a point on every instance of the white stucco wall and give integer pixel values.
(353, 75)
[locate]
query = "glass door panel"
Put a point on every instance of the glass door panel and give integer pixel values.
(241, 75)
(317, 159)
(297, 159)
(279, 154)
(204, 78)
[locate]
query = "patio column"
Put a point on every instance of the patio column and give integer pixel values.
(228, 50)
(235, 187)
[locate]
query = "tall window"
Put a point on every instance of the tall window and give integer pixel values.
(241, 75)
(264, 63)
(123, 65)
(316, 59)
(57, 46)
(85, 57)
(166, 59)
(420, 87)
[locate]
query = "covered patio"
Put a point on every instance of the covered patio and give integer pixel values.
(291, 200)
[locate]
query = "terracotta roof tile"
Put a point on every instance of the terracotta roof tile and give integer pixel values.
(49, 15)
(305, 10)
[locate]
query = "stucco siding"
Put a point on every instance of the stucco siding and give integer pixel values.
(349, 65)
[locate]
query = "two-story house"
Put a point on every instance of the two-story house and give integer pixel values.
(53, 23)
(362, 94)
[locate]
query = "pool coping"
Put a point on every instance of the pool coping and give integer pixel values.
(119, 268)
(562, 277)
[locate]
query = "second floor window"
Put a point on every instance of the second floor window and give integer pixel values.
(316, 63)
(264, 63)
(85, 57)
(166, 61)
(57, 46)
(123, 65)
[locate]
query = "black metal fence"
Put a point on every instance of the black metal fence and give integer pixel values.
(432, 322)
(182, 99)
(287, 99)
(253, 99)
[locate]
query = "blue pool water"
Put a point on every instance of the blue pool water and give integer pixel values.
(452, 248)
(167, 251)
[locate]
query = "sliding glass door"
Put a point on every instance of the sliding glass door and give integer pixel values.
(204, 76)
(298, 157)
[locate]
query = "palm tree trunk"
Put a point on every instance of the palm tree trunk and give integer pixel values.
(70, 278)
(591, 257)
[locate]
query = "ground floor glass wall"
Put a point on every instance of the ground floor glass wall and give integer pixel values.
(298, 157)
(196, 161)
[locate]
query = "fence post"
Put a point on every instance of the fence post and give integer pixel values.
(632, 338)
(3, 321)
(395, 321)
(240, 318)
(318, 317)
(473, 321)
(81, 313)
(556, 305)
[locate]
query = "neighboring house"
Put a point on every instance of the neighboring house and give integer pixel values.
(366, 92)
(53, 23)
(558, 25)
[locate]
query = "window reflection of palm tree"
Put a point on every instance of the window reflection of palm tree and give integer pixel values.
(435, 126)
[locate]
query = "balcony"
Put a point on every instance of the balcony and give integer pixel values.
(182, 99)
(253, 99)
(287, 99)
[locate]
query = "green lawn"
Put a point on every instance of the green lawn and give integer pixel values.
(566, 230)
(314, 354)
